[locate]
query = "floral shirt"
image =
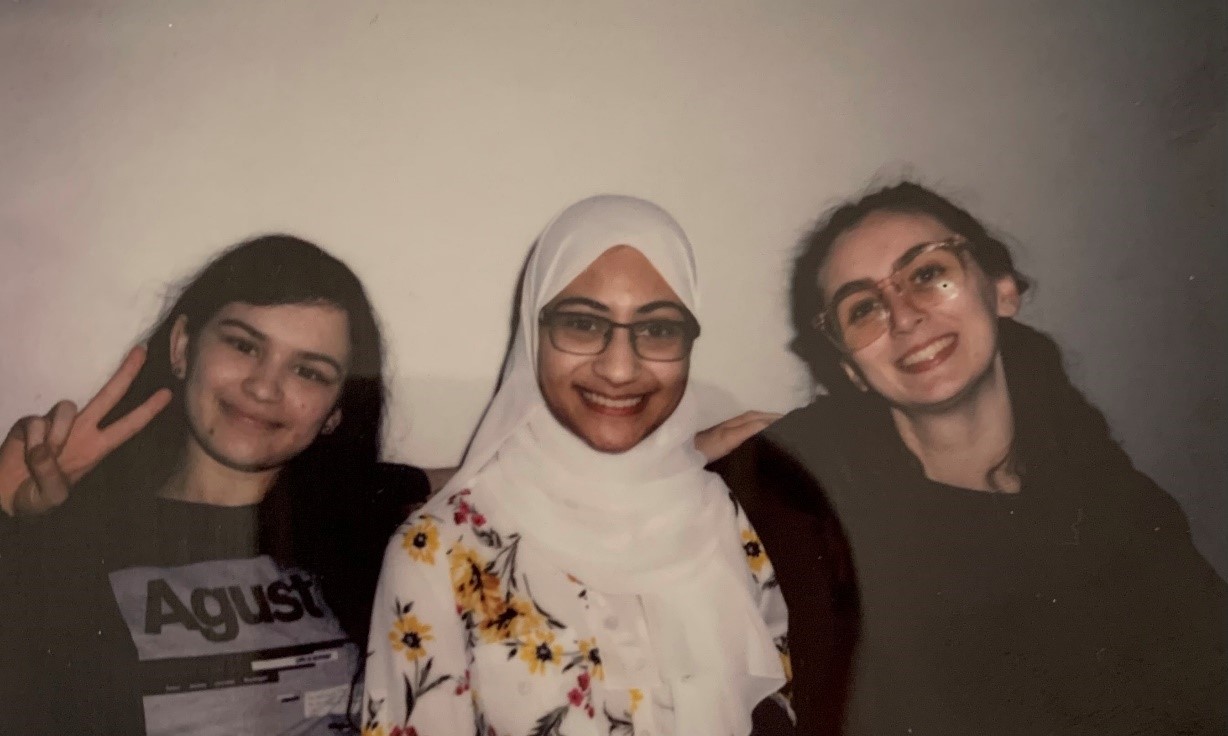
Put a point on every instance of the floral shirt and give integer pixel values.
(471, 635)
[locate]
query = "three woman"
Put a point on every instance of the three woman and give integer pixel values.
(1015, 572)
(582, 573)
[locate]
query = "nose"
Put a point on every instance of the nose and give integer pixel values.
(263, 383)
(904, 315)
(618, 364)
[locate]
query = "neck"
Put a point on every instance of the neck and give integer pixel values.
(201, 479)
(965, 443)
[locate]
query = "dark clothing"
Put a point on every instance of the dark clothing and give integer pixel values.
(1077, 605)
(814, 570)
(157, 615)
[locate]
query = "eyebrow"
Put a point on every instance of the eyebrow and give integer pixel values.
(579, 301)
(897, 264)
(257, 334)
(662, 304)
(849, 288)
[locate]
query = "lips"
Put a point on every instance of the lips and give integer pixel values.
(245, 419)
(618, 406)
(924, 357)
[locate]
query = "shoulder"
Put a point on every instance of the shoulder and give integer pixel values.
(807, 423)
(396, 489)
(784, 464)
(359, 518)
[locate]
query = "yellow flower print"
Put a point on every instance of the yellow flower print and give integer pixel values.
(592, 656)
(754, 550)
(410, 635)
(539, 651)
(374, 731)
(636, 696)
(421, 541)
(513, 619)
(474, 588)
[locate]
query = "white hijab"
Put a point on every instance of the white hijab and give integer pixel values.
(649, 521)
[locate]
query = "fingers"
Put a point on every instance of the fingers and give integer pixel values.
(718, 441)
(22, 451)
(42, 462)
(60, 420)
(115, 387)
(757, 418)
(35, 430)
(134, 421)
(13, 470)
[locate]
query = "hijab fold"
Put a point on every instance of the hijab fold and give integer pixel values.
(649, 521)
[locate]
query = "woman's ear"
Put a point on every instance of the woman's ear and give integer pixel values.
(851, 371)
(331, 424)
(1006, 289)
(179, 347)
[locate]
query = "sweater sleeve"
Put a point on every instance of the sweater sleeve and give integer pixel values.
(811, 563)
(417, 671)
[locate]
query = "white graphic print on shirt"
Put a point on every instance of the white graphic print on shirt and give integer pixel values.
(235, 646)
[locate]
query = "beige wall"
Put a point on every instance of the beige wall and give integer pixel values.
(427, 142)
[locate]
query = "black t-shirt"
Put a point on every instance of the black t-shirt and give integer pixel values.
(167, 618)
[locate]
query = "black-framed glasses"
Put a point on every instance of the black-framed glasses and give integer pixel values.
(925, 276)
(580, 333)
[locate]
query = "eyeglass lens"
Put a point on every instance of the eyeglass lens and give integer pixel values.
(931, 278)
(588, 334)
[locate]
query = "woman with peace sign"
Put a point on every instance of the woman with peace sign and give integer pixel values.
(196, 549)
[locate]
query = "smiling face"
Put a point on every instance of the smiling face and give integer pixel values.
(261, 383)
(929, 357)
(614, 399)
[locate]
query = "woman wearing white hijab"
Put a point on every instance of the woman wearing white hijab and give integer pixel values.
(582, 573)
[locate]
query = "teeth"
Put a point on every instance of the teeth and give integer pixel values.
(612, 403)
(928, 352)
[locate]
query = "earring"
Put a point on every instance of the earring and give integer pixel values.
(178, 371)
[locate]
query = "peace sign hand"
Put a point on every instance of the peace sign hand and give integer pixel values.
(42, 457)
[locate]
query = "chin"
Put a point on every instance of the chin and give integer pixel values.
(243, 459)
(609, 445)
(249, 463)
(941, 395)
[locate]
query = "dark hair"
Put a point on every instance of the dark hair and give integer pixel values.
(1052, 418)
(305, 516)
(907, 197)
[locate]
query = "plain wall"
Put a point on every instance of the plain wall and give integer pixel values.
(427, 143)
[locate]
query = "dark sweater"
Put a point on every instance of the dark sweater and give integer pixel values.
(813, 567)
(1078, 605)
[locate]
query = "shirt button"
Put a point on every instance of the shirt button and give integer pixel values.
(611, 622)
(523, 688)
(640, 665)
